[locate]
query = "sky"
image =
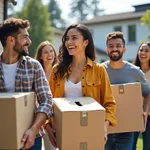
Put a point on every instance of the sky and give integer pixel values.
(110, 6)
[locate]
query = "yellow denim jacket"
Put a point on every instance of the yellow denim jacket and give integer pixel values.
(95, 83)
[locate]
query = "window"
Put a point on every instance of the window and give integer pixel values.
(131, 33)
(117, 28)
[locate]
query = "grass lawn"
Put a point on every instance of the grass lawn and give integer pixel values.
(139, 144)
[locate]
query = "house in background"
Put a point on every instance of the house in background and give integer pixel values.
(57, 38)
(3, 12)
(129, 23)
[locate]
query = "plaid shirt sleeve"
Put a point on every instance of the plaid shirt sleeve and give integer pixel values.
(42, 90)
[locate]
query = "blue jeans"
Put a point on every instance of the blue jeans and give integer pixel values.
(37, 144)
(119, 141)
(145, 136)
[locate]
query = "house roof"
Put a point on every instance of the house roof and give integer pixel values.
(114, 17)
(58, 31)
(98, 50)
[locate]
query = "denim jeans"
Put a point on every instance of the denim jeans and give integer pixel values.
(145, 136)
(37, 144)
(119, 141)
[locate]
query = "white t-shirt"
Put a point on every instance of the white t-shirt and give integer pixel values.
(72, 89)
(9, 76)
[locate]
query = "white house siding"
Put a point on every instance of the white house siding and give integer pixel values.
(101, 57)
(100, 31)
(1, 17)
(56, 41)
(1, 10)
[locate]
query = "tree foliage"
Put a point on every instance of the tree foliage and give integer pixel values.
(55, 14)
(95, 10)
(81, 9)
(146, 20)
(40, 25)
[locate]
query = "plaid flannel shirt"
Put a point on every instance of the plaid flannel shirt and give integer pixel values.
(30, 77)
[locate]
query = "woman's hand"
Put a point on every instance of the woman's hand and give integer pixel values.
(145, 121)
(51, 134)
(106, 131)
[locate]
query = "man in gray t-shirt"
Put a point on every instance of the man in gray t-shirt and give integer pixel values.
(120, 72)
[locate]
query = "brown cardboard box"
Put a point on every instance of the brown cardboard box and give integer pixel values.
(16, 116)
(129, 108)
(147, 76)
(79, 127)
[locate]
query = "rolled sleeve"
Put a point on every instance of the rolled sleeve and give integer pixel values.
(43, 93)
(108, 99)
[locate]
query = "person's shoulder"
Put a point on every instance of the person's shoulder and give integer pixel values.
(98, 65)
(134, 69)
(105, 64)
(32, 62)
(132, 66)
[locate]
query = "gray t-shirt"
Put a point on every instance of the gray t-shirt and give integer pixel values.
(127, 74)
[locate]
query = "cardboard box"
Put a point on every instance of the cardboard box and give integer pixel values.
(129, 108)
(147, 76)
(16, 116)
(79, 123)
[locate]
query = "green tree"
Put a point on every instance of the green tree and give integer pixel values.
(11, 12)
(95, 10)
(55, 15)
(146, 20)
(40, 25)
(79, 9)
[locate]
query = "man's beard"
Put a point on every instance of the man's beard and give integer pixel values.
(115, 58)
(19, 49)
(23, 53)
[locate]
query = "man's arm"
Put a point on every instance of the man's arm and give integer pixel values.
(146, 104)
(146, 107)
(44, 109)
(30, 135)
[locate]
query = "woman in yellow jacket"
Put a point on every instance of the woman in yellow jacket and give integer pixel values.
(77, 75)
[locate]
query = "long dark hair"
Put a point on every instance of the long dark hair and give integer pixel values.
(64, 58)
(137, 60)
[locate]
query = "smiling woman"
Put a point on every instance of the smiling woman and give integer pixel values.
(78, 75)
(46, 55)
(142, 60)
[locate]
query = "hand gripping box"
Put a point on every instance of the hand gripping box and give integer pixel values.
(16, 116)
(79, 123)
(147, 76)
(129, 108)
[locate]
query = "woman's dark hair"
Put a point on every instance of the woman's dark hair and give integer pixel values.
(64, 58)
(137, 60)
(39, 52)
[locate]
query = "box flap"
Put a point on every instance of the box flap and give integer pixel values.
(132, 83)
(13, 95)
(77, 104)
